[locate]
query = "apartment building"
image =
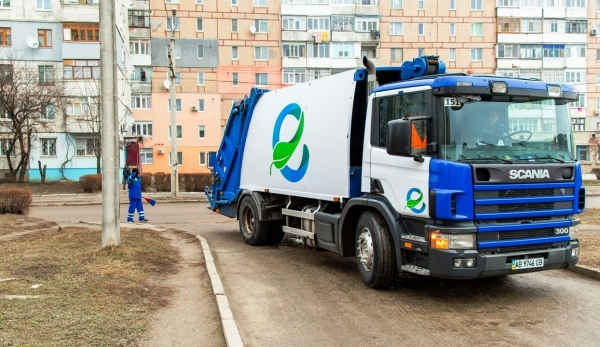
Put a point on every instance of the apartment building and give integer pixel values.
(59, 42)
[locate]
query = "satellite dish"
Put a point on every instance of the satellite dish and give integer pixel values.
(129, 121)
(167, 84)
(253, 29)
(32, 42)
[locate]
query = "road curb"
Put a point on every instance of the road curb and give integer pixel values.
(586, 271)
(230, 330)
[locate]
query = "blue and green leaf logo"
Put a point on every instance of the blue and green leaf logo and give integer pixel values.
(282, 150)
(413, 201)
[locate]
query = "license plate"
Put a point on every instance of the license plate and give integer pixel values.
(527, 263)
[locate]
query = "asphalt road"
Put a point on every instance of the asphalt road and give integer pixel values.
(290, 296)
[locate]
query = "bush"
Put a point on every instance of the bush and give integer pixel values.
(162, 182)
(14, 200)
(146, 180)
(597, 173)
(194, 182)
(91, 183)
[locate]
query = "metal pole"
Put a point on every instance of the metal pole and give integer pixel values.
(111, 231)
(174, 159)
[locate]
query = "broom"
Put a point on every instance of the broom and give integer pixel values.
(149, 200)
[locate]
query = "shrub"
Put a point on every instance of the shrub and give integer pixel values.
(597, 173)
(14, 200)
(88, 183)
(98, 180)
(194, 182)
(162, 182)
(146, 180)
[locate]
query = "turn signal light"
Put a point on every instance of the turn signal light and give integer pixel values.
(438, 240)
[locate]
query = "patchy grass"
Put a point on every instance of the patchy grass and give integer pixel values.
(87, 296)
(37, 188)
(590, 251)
(15, 223)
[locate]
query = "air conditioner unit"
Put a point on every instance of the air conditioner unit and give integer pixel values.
(194, 108)
(597, 112)
(593, 32)
(160, 151)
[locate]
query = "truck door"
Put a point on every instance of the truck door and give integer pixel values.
(404, 181)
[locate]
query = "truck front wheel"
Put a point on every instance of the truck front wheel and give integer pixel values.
(254, 232)
(375, 254)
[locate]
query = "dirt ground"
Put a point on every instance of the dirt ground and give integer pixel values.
(62, 187)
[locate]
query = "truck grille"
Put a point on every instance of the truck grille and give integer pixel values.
(525, 234)
(522, 193)
(516, 248)
(526, 207)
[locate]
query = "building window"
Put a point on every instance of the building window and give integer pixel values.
(453, 4)
(420, 52)
(396, 54)
(342, 23)
(578, 124)
(82, 106)
(139, 47)
(234, 25)
(598, 79)
(142, 129)
(201, 105)
(452, 54)
(576, 27)
(396, 28)
(575, 51)
(477, 5)
(177, 77)
(4, 146)
(48, 147)
(556, 76)
(260, 25)
(81, 69)
(45, 38)
(366, 24)
(315, 74)
(554, 51)
(201, 131)
(508, 50)
(396, 4)
(200, 51)
(81, 32)
(553, 27)
(530, 51)
(260, 53)
(139, 19)
(234, 53)
(421, 28)
(171, 21)
(87, 147)
(141, 101)
(234, 79)
(5, 37)
(260, 2)
(531, 25)
(200, 78)
(45, 74)
(524, 124)
(293, 23)
(179, 159)
(179, 132)
(43, 5)
(261, 79)
(580, 102)
(598, 52)
(199, 24)
(452, 29)
(476, 29)
(177, 51)
(199, 2)
(576, 3)
(343, 50)
(146, 156)
(583, 152)
(318, 50)
(421, 4)
(293, 76)
(476, 54)
(5, 4)
(177, 105)
(234, 2)
(508, 3)
(509, 25)
(202, 158)
(48, 112)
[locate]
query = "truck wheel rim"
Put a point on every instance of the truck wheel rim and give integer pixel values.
(248, 222)
(365, 248)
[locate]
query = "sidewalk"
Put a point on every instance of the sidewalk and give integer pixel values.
(96, 198)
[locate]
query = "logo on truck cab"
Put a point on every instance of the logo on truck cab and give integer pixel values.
(415, 202)
(528, 174)
(283, 150)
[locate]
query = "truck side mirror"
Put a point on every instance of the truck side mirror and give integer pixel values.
(398, 138)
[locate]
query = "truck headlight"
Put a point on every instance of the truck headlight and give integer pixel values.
(574, 232)
(452, 241)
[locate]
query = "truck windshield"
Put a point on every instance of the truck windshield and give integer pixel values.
(506, 129)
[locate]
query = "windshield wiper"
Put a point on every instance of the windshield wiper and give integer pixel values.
(540, 158)
(463, 158)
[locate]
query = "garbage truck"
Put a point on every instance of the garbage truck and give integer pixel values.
(402, 168)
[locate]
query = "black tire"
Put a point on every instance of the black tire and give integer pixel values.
(276, 232)
(254, 232)
(375, 254)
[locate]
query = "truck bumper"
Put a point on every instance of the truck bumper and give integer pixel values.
(490, 265)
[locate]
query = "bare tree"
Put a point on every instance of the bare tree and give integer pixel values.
(30, 98)
(90, 118)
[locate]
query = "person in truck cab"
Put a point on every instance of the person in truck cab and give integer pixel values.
(490, 130)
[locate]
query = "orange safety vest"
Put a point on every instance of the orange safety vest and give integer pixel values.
(416, 142)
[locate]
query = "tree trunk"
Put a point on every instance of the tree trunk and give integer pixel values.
(98, 164)
(42, 171)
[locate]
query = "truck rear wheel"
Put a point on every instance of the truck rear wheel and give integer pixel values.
(375, 255)
(254, 232)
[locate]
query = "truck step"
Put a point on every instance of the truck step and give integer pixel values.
(299, 232)
(415, 269)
